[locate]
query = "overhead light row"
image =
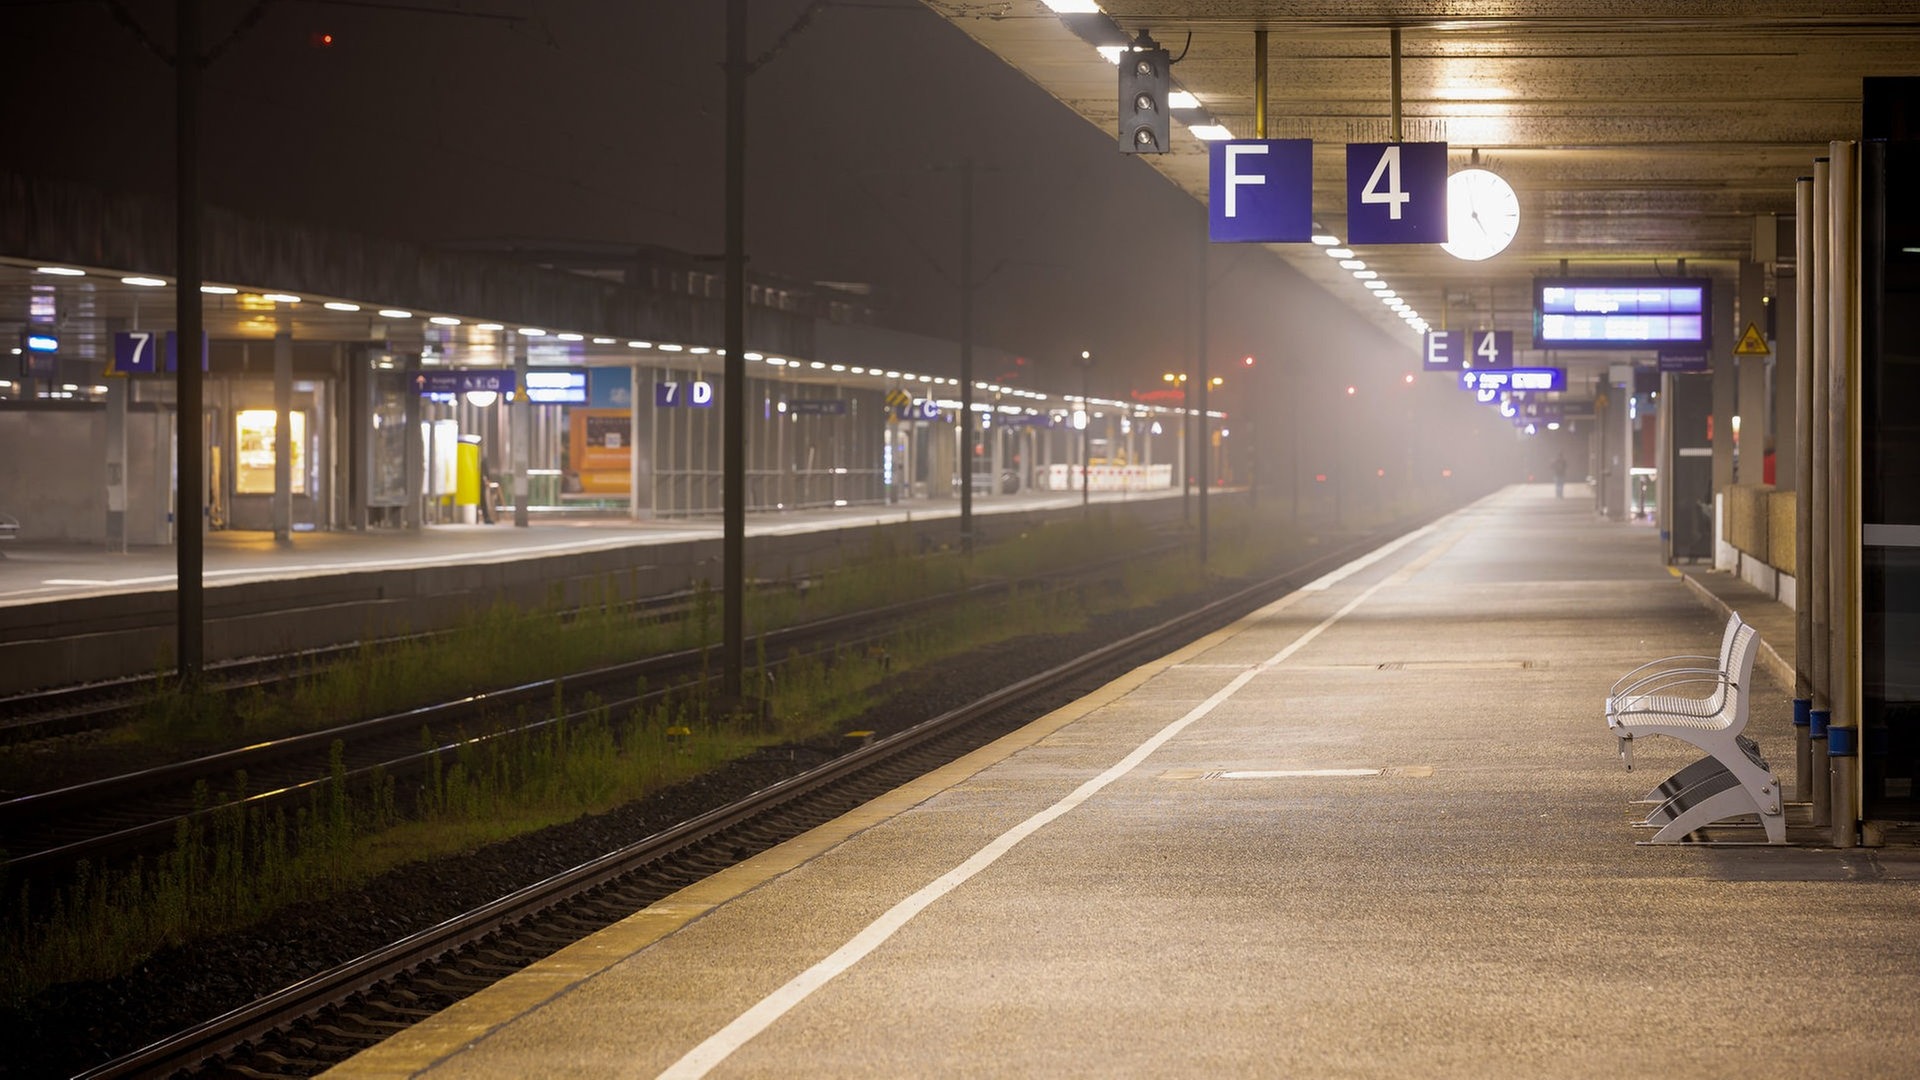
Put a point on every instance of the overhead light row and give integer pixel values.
(1370, 279)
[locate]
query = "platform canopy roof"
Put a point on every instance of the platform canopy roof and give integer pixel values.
(1635, 134)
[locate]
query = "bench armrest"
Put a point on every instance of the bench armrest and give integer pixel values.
(1636, 672)
(1634, 697)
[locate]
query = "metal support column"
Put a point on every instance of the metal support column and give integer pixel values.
(733, 431)
(190, 493)
(521, 418)
(283, 430)
(1803, 225)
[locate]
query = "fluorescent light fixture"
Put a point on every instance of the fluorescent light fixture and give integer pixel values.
(858, 370)
(671, 348)
(395, 313)
(776, 361)
(340, 305)
(639, 344)
(596, 341)
(1389, 295)
(531, 331)
(1182, 99)
(1325, 240)
(1367, 275)
(490, 326)
(1340, 253)
(1373, 284)
(1352, 264)
(818, 365)
(1111, 53)
(573, 337)
(699, 350)
(753, 356)
(443, 320)
(1072, 7)
(280, 297)
(839, 367)
(145, 282)
(60, 271)
(218, 290)
(1210, 132)
(892, 374)
(926, 378)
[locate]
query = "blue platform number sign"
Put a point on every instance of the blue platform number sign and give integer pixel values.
(1396, 193)
(1490, 349)
(135, 352)
(1260, 191)
(1444, 351)
(671, 394)
(172, 351)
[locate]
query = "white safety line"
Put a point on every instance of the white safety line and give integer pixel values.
(720, 1045)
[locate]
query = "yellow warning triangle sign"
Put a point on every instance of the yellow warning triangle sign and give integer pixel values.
(1751, 343)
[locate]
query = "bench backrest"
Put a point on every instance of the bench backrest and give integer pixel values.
(1734, 623)
(1739, 684)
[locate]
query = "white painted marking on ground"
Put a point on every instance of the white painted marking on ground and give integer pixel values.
(721, 1044)
(1289, 774)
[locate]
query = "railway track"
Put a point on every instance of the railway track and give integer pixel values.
(307, 1027)
(113, 818)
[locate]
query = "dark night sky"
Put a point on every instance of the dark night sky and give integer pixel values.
(597, 120)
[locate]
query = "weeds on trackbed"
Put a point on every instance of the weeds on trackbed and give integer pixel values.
(236, 866)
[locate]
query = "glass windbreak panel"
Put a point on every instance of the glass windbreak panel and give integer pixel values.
(1890, 689)
(386, 438)
(1890, 383)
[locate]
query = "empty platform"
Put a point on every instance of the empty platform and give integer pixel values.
(1376, 829)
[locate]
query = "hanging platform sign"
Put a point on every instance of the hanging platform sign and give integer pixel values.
(1445, 350)
(462, 380)
(1490, 349)
(1692, 361)
(1260, 191)
(1539, 380)
(1396, 193)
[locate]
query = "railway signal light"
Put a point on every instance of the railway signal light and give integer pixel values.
(1145, 82)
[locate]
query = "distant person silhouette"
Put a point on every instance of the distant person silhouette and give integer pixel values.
(1560, 476)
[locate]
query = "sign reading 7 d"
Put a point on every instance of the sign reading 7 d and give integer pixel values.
(1260, 191)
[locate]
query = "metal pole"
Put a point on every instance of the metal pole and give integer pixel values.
(1086, 435)
(1260, 83)
(190, 496)
(966, 358)
(1393, 41)
(283, 429)
(521, 436)
(734, 414)
(1200, 363)
(1843, 540)
(1803, 485)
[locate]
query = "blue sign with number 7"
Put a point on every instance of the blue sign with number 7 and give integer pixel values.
(1396, 193)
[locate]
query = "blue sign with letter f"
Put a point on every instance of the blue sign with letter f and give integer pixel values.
(1260, 191)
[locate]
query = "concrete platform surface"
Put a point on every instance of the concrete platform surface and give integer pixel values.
(1376, 829)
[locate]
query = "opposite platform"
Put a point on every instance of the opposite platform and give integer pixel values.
(1375, 829)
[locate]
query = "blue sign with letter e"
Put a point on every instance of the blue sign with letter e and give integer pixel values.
(1443, 351)
(1260, 191)
(1396, 193)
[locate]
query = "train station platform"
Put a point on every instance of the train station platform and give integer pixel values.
(1376, 829)
(79, 613)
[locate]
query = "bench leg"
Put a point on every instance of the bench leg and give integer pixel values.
(1682, 780)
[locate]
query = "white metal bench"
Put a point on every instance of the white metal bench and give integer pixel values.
(1733, 780)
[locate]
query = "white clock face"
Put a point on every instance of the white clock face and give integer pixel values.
(1483, 214)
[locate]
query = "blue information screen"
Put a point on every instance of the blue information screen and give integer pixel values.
(1622, 313)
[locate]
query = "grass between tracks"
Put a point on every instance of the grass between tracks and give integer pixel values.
(236, 867)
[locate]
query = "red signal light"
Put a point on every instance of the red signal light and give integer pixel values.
(320, 39)
(1320, 478)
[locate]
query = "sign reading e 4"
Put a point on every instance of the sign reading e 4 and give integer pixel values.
(1396, 193)
(668, 395)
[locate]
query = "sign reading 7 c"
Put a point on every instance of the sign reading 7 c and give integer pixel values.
(1396, 193)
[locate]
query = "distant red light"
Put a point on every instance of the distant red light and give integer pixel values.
(321, 39)
(1446, 472)
(1319, 478)
(1379, 472)
(1248, 361)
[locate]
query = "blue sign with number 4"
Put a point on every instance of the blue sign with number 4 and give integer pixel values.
(1396, 193)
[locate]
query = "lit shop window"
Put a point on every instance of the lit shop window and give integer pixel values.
(253, 454)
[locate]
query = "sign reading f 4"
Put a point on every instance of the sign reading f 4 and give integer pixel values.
(1396, 193)
(1260, 191)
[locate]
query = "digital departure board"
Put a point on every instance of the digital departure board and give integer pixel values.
(1622, 313)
